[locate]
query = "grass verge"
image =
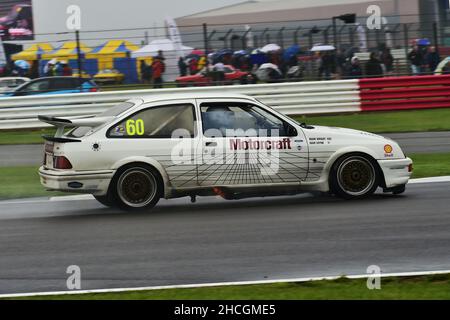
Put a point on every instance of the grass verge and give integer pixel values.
(418, 287)
(24, 136)
(376, 122)
(430, 164)
(21, 182)
(386, 122)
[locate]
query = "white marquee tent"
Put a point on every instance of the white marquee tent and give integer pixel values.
(170, 52)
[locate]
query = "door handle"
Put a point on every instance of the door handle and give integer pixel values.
(210, 144)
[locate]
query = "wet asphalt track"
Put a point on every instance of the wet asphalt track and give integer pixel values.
(419, 142)
(216, 240)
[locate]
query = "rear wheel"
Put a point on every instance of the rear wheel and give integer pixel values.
(354, 176)
(136, 187)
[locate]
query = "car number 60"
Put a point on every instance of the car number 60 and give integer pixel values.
(135, 127)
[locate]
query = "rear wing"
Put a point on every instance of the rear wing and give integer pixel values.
(62, 123)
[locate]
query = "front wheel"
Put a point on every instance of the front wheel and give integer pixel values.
(136, 188)
(354, 176)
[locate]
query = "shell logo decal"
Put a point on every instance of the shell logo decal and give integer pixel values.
(388, 148)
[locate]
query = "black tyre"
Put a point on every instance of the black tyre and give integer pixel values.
(136, 187)
(354, 176)
(105, 200)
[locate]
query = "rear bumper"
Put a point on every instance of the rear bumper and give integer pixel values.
(396, 171)
(94, 182)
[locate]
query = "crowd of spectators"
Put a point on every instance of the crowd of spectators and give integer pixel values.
(323, 65)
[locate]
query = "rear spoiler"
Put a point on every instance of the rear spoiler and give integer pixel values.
(62, 123)
(59, 139)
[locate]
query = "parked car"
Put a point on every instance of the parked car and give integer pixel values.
(109, 76)
(9, 83)
(234, 146)
(54, 85)
(205, 78)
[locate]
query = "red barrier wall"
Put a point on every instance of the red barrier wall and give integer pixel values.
(409, 92)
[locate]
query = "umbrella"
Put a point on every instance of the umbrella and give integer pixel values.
(258, 58)
(270, 47)
(268, 66)
(224, 52)
(22, 64)
(192, 56)
(291, 51)
(240, 53)
(323, 47)
(263, 72)
(423, 42)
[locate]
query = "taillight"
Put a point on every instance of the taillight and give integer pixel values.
(410, 167)
(93, 90)
(61, 162)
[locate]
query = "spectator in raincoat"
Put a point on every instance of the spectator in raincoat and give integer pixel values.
(49, 69)
(182, 67)
(388, 60)
(373, 66)
(432, 59)
(201, 63)
(416, 59)
(158, 68)
(66, 69)
(193, 66)
(353, 69)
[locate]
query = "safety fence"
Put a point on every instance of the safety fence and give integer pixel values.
(290, 98)
(315, 97)
(399, 93)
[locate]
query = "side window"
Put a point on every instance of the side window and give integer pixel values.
(64, 84)
(156, 122)
(241, 120)
(36, 87)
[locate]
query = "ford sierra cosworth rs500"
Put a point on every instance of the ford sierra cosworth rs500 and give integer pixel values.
(192, 145)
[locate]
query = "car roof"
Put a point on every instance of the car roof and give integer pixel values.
(56, 77)
(194, 95)
(14, 78)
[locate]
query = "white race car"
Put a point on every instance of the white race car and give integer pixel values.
(171, 146)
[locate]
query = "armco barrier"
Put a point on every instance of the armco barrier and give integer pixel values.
(315, 97)
(399, 93)
(290, 98)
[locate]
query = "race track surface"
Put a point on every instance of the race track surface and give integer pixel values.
(215, 240)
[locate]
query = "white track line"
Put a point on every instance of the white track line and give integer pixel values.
(72, 198)
(217, 284)
(430, 180)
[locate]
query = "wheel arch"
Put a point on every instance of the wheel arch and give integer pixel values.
(344, 152)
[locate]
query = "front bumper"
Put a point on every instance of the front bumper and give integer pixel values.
(93, 182)
(396, 171)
